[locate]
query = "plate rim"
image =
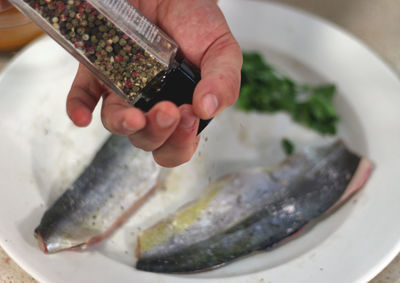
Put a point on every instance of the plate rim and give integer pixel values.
(381, 265)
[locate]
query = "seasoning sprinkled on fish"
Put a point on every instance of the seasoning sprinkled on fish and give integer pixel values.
(117, 181)
(252, 211)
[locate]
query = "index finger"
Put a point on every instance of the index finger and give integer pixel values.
(83, 97)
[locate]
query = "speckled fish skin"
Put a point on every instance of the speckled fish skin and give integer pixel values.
(252, 211)
(118, 179)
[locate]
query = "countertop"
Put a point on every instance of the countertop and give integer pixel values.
(376, 23)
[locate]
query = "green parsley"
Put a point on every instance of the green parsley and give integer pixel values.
(287, 146)
(264, 89)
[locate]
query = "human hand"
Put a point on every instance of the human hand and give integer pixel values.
(170, 132)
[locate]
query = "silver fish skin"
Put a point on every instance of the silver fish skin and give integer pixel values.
(252, 211)
(116, 182)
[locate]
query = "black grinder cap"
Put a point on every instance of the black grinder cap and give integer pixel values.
(176, 84)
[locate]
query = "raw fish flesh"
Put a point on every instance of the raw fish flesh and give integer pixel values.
(117, 181)
(252, 210)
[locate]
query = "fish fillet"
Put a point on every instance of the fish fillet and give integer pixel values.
(252, 211)
(119, 178)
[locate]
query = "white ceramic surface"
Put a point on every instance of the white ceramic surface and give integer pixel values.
(42, 152)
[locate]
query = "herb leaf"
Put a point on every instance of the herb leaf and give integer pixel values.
(287, 146)
(264, 89)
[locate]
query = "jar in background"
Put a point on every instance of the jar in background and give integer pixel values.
(15, 29)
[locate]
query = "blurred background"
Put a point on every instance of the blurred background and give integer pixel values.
(376, 23)
(15, 31)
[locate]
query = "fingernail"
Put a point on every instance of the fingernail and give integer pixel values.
(210, 104)
(126, 126)
(163, 120)
(187, 120)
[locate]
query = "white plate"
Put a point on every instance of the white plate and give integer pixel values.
(42, 152)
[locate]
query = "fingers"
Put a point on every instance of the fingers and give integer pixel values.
(220, 83)
(83, 97)
(169, 132)
(182, 144)
(203, 35)
(161, 121)
(120, 118)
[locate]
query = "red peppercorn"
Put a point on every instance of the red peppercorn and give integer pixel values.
(91, 48)
(60, 7)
